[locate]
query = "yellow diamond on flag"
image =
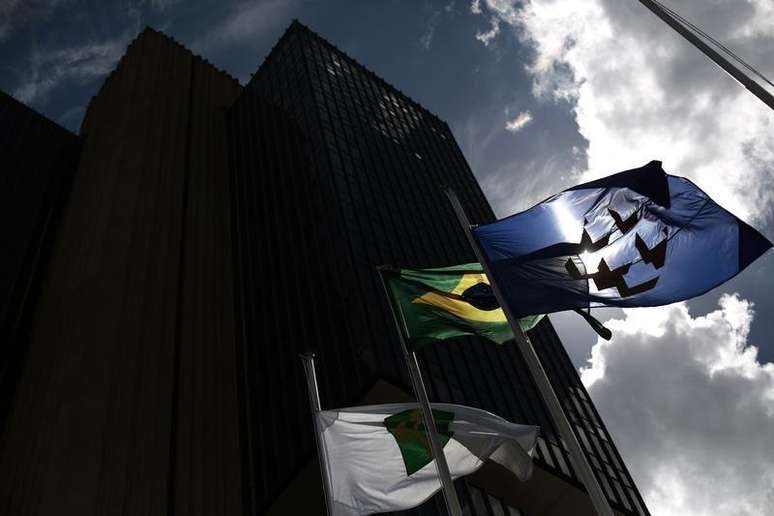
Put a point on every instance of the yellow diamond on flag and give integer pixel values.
(455, 303)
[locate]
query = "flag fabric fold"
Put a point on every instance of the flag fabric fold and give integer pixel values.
(636, 238)
(378, 458)
(447, 302)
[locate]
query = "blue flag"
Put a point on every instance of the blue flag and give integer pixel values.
(636, 238)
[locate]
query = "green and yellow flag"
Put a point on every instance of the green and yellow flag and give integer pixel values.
(448, 302)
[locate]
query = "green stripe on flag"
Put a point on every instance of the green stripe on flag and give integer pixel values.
(408, 429)
(448, 302)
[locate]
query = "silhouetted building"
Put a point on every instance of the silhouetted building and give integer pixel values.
(212, 233)
(37, 163)
(365, 191)
(127, 402)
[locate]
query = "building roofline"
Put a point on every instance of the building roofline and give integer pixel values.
(151, 30)
(147, 32)
(296, 24)
(48, 120)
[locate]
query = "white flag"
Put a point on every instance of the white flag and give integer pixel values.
(378, 458)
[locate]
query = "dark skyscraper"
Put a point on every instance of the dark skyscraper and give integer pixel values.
(37, 163)
(127, 400)
(366, 191)
(213, 233)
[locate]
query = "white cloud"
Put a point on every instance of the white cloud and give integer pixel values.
(244, 23)
(432, 25)
(686, 400)
(81, 63)
(427, 37)
(475, 6)
(641, 92)
(50, 68)
(518, 122)
(505, 10)
(690, 407)
(487, 37)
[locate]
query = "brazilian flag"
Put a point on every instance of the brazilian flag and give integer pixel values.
(448, 302)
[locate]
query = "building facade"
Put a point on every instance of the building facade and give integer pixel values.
(38, 160)
(127, 403)
(369, 193)
(214, 232)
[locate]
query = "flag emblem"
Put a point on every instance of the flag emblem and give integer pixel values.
(603, 276)
(408, 429)
(637, 238)
(471, 299)
(448, 302)
(378, 461)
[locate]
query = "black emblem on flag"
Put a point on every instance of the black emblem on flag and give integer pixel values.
(481, 296)
(605, 277)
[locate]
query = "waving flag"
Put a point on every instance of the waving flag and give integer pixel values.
(378, 458)
(447, 302)
(636, 238)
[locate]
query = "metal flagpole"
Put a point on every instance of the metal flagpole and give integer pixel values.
(754, 88)
(449, 493)
(314, 402)
(578, 459)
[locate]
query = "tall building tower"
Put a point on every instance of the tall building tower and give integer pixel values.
(210, 234)
(37, 163)
(126, 398)
(350, 179)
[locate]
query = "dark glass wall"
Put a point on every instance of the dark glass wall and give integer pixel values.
(341, 175)
(37, 163)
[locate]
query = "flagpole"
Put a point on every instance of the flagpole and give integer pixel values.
(577, 458)
(314, 402)
(449, 493)
(751, 85)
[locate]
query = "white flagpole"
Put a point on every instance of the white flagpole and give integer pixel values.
(449, 493)
(578, 459)
(314, 402)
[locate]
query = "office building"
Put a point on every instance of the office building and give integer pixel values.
(213, 232)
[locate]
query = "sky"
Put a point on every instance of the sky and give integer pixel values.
(541, 95)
